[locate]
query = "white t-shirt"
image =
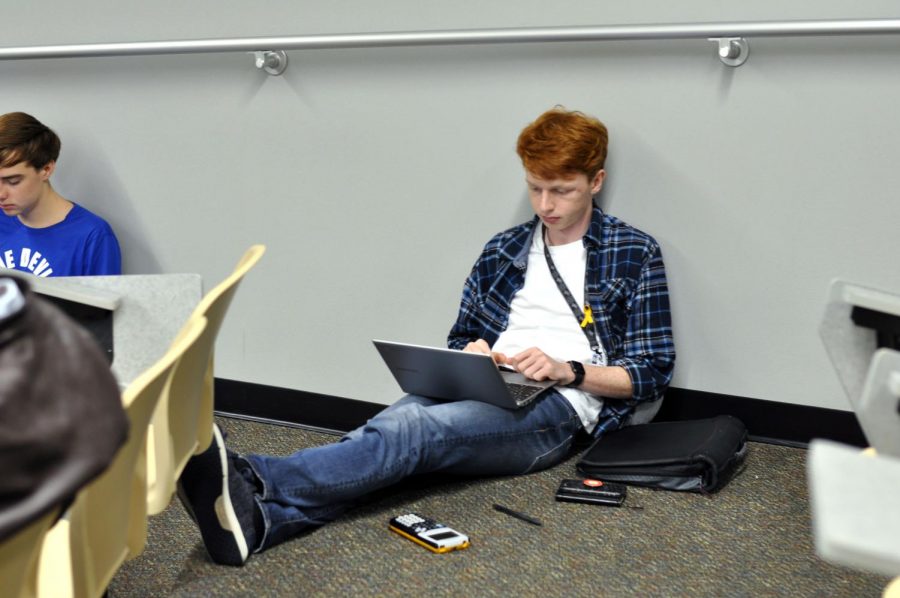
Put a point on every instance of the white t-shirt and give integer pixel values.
(540, 317)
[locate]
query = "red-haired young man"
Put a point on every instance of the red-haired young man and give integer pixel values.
(574, 295)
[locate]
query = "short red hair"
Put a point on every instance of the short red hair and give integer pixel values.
(561, 143)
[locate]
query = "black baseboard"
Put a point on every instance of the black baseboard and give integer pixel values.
(310, 410)
(766, 421)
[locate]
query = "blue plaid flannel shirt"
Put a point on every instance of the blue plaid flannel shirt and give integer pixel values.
(625, 284)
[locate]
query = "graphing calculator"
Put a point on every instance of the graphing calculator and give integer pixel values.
(428, 533)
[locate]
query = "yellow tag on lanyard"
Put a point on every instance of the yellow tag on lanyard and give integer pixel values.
(588, 316)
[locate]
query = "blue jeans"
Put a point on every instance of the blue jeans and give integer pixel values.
(414, 435)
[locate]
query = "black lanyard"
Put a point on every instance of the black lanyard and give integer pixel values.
(584, 317)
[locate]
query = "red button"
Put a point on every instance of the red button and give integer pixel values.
(593, 483)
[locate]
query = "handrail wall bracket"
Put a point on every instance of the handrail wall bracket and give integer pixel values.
(273, 62)
(733, 51)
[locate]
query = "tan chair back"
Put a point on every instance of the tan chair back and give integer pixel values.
(182, 425)
(108, 520)
(19, 558)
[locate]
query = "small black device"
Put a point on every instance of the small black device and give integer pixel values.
(591, 491)
(428, 533)
(578, 370)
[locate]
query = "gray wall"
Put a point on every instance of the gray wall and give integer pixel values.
(375, 176)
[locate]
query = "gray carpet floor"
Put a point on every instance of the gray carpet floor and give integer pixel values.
(751, 539)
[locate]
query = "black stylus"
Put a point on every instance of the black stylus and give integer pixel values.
(517, 515)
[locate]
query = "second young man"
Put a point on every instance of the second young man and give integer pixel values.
(573, 295)
(42, 232)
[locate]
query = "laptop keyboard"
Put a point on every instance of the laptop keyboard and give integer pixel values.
(520, 392)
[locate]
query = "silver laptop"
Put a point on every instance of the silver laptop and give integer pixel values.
(457, 375)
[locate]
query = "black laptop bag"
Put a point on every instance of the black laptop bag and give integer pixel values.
(693, 455)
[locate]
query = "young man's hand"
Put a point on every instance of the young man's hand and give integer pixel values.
(537, 365)
(481, 346)
(608, 381)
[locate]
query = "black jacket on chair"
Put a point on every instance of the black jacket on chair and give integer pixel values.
(61, 416)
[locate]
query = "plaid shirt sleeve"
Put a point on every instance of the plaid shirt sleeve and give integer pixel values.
(484, 306)
(466, 329)
(648, 351)
(495, 278)
(626, 286)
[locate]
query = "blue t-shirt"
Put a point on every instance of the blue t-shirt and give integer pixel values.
(83, 244)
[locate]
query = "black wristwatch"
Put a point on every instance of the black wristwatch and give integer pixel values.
(578, 369)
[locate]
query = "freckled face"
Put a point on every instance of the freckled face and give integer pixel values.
(564, 204)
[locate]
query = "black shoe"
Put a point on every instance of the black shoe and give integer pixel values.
(221, 503)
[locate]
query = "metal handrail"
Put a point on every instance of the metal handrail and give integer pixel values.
(260, 45)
